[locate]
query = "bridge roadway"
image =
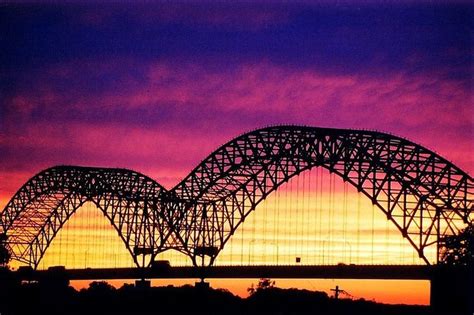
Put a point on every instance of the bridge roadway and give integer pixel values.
(451, 287)
(412, 272)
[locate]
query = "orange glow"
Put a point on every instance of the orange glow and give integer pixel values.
(317, 224)
(383, 291)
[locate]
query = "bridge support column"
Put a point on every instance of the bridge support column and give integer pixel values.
(452, 290)
(142, 284)
(202, 285)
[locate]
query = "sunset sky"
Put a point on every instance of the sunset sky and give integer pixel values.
(157, 88)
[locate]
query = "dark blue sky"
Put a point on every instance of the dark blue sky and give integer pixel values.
(81, 83)
(344, 38)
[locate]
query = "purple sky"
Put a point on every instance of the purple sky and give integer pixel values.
(157, 88)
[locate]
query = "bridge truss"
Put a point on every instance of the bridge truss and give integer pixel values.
(425, 196)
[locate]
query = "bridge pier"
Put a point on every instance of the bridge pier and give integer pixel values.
(202, 285)
(202, 273)
(142, 284)
(452, 290)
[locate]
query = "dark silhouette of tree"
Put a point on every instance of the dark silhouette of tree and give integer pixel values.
(100, 287)
(4, 253)
(101, 298)
(263, 284)
(459, 249)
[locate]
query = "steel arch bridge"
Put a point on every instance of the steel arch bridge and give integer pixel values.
(425, 196)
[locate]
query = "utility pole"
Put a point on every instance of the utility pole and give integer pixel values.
(336, 292)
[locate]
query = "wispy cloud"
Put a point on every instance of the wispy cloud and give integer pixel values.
(172, 116)
(158, 90)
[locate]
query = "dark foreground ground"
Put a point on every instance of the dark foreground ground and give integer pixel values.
(101, 298)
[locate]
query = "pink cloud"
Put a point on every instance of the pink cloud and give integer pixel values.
(194, 109)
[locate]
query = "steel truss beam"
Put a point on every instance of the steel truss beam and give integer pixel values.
(426, 197)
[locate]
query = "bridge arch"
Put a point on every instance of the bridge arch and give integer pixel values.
(426, 197)
(129, 200)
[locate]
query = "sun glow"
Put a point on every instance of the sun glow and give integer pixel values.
(314, 219)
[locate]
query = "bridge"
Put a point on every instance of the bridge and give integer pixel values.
(385, 272)
(426, 198)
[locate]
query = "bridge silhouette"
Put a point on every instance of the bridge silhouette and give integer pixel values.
(427, 198)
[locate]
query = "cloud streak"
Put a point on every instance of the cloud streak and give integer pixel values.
(167, 120)
(158, 90)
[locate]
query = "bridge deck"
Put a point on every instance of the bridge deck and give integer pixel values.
(412, 272)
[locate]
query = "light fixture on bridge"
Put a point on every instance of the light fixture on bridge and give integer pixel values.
(206, 251)
(141, 250)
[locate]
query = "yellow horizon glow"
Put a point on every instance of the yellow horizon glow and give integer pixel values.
(320, 225)
(382, 291)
